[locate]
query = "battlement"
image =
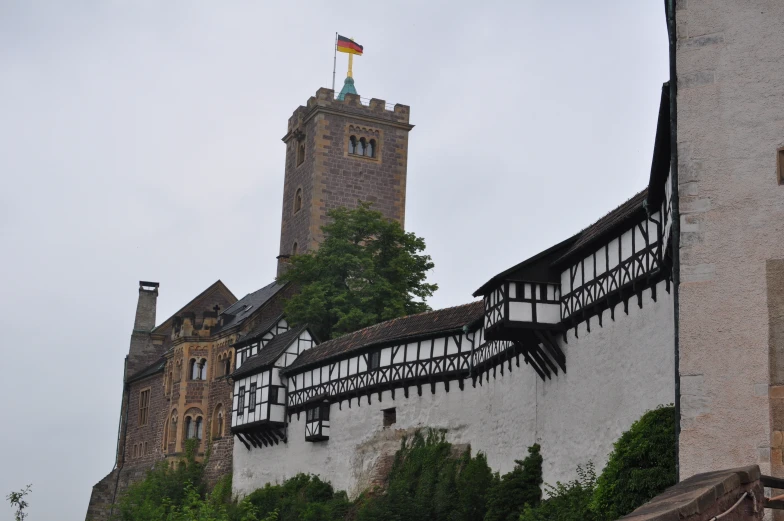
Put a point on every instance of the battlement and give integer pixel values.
(353, 104)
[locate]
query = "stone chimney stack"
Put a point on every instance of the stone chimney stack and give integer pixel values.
(142, 352)
(145, 309)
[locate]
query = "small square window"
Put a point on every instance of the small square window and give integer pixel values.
(390, 416)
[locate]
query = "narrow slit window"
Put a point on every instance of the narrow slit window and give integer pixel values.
(300, 152)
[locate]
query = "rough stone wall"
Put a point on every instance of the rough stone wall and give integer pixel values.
(615, 373)
(730, 66)
(705, 496)
(142, 352)
(329, 177)
(132, 469)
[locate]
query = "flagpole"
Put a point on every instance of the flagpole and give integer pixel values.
(334, 63)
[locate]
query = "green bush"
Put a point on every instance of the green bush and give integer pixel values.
(516, 489)
(640, 467)
(566, 502)
(301, 498)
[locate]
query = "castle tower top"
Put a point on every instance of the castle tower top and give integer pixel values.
(340, 151)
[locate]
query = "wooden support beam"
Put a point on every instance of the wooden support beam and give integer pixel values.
(239, 437)
(548, 341)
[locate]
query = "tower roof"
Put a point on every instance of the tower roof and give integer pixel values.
(348, 88)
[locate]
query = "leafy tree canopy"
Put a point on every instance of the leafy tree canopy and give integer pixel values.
(367, 270)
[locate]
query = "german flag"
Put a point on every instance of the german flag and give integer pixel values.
(346, 45)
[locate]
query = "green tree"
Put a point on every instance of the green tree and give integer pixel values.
(516, 489)
(640, 467)
(566, 502)
(367, 270)
(17, 500)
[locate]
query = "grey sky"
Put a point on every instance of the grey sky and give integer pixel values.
(141, 140)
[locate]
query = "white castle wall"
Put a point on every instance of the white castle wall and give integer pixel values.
(615, 373)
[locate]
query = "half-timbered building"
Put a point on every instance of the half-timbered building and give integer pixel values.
(566, 348)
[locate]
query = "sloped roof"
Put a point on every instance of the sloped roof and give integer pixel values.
(238, 312)
(217, 292)
(599, 230)
(412, 326)
(269, 353)
(155, 367)
(257, 332)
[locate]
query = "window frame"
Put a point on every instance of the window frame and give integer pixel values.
(374, 360)
(144, 407)
(252, 397)
(241, 401)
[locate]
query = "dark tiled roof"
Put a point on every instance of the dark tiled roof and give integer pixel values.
(422, 324)
(530, 265)
(269, 353)
(257, 332)
(246, 306)
(155, 367)
(605, 225)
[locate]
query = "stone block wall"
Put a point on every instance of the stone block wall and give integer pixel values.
(729, 59)
(705, 496)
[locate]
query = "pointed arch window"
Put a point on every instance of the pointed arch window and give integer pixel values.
(298, 200)
(227, 366)
(188, 428)
(194, 369)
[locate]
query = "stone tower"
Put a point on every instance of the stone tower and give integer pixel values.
(730, 152)
(338, 152)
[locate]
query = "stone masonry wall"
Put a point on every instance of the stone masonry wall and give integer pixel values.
(705, 496)
(133, 468)
(730, 66)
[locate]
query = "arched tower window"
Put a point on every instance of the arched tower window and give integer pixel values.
(194, 369)
(370, 151)
(173, 428)
(227, 366)
(217, 422)
(352, 145)
(203, 369)
(300, 152)
(197, 428)
(298, 200)
(189, 428)
(361, 147)
(294, 248)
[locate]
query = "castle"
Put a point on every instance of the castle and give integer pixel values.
(676, 296)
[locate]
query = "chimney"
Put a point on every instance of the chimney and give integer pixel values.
(142, 352)
(145, 309)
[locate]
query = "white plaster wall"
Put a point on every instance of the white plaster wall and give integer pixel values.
(615, 373)
(730, 62)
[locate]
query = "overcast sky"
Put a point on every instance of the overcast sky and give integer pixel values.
(141, 140)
